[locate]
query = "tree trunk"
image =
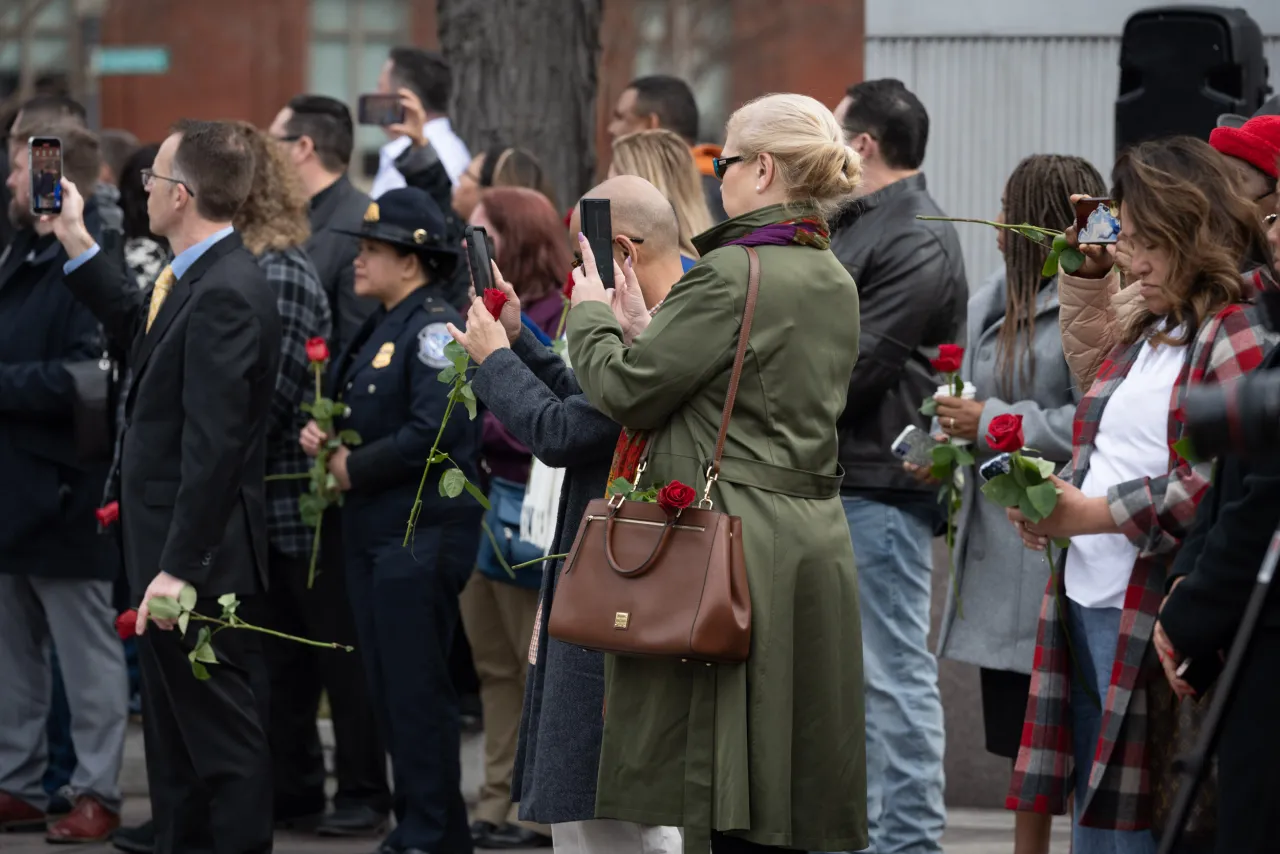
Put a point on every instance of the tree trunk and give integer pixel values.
(524, 74)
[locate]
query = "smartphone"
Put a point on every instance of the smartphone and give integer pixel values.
(46, 174)
(914, 446)
(478, 258)
(597, 225)
(1097, 221)
(996, 466)
(380, 110)
(1200, 675)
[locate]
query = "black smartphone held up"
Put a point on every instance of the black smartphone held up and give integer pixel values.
(46, 174)
(597, 225)
(478, 256)
(381, 110)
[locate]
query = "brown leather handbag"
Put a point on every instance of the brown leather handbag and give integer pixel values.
(641, 582)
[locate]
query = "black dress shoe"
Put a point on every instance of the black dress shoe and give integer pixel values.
(511, 836)
(480, 830)
(353, 821)
(135, 840)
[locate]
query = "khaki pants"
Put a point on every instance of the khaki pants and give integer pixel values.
(499, 619)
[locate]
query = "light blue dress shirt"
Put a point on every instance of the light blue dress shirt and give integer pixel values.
(180, 264)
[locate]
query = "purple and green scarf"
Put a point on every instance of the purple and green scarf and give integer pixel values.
(805, 231)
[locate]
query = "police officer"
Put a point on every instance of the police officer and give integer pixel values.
(405, 599)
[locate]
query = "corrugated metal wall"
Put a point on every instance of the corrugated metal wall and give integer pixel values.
(993, 101)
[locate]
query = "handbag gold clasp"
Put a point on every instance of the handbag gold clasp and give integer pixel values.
(712, 477)
(635, 486)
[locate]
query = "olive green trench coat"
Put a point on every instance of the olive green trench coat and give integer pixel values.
(773, 750)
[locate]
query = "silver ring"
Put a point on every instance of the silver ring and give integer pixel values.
(953, 422)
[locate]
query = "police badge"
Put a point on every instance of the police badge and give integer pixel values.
(432, 340)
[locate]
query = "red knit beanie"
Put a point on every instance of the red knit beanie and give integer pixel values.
(1256, 142)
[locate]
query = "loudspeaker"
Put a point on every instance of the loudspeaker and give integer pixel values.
(1183, 66)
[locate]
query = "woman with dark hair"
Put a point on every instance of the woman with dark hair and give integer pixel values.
(1130, 497)
(498, 610)
(500, 166)
(145, 254)
(1014, 358)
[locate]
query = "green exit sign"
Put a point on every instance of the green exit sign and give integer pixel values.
(133, 59)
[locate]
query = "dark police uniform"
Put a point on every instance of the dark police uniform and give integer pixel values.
(405, 598)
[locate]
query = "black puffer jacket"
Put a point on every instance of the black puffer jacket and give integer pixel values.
(913, 297)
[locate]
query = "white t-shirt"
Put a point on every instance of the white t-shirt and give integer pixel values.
(452, 151)
(1132, 443)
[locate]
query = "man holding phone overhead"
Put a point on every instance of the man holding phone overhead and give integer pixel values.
(427, 74)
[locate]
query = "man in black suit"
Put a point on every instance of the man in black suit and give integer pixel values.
(320, 137)
(206, 351)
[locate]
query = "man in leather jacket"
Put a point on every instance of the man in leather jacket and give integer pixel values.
(911, 282)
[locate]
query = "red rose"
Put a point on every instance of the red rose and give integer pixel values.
(127, 624)
(109, 514)
(317, 350)
(568, 286)
(494, 300)
(675, 496)
(950, 357)
(1004, 433)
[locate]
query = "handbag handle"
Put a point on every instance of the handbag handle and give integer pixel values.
(608, 545)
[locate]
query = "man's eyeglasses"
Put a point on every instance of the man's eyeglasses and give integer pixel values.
(577, 256)
(720, 165)
(149, 177)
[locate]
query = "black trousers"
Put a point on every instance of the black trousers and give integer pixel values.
(208, 767)
(405, 602)
(1249, 754)
(299, 673)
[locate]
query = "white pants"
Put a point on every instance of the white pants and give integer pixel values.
(606, 836)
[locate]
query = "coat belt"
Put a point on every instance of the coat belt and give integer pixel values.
(780, 479)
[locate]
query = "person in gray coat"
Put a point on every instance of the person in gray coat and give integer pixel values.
(1014, 357)
(536, 397)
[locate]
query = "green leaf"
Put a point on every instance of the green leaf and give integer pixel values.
(1072, 259)
(1019, 475)
(447, 375)
(454, 352)
(620, 486)
(229, 603)
(1003, 490)
(1046, 467)
(1059, 243)
(306, 406)
(1031, 233)
(1185, 450)
(467, 397)
(1062, 542)
(164, 608)
(451, 483)
(474, 492)
(929, 407)
(1028, 509)
(199, 671)
(964, 457)
(183, 621)
(332, 443)
(322, 409)
(1044, 497)
(187, 597)
(204, 647)
(940, 471)
(331, 482)
(351, 438)
(1050, 267)
(944, 453)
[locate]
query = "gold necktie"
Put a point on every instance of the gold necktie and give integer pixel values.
(164, 284)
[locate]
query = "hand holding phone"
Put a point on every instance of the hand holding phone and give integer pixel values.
(382, 110)
(479, 259)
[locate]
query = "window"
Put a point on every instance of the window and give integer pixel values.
(350, 40)
(47, 45)
(689, 39)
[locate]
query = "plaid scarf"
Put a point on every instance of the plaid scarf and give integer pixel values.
(802, 231)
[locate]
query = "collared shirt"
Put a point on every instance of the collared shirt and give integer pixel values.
(452, 151)
(181, 264)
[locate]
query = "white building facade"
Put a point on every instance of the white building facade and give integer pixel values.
(1003, 79)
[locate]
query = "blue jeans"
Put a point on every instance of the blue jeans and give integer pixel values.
(1094, 635)
(905, 737)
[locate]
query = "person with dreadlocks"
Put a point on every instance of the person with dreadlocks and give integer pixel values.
(1014, 357)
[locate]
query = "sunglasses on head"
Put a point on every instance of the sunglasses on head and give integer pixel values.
(720, 165)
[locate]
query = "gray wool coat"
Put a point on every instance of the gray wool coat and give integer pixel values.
(537, 398)
(1001, 582)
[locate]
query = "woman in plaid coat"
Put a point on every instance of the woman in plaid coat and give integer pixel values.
(1129, 498)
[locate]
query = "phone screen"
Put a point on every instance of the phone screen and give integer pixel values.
(46, 175)
(597, 227)
(478, 256)
(1097, 221)
(380, 110)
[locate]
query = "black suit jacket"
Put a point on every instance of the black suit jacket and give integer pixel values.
(192, 497)
(48, 504)
(339, 206)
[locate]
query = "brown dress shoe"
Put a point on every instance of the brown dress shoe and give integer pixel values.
(18, 816)
(90, 821)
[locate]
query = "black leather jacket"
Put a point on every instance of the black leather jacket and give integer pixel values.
(913, 297)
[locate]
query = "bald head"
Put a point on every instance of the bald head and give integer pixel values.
(637, 209)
